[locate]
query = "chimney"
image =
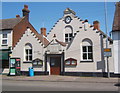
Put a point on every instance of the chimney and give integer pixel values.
(17, 16)
(96, 25)
(43, 31)
(26, 11)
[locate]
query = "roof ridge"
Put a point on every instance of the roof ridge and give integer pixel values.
(12, 18)
(19, 21)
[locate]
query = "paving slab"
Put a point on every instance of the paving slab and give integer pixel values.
(54, 78)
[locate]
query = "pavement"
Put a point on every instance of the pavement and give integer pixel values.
(57, 78)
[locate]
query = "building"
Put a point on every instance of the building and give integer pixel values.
(15, 30)
(83, 47)
(72, 47)
(116, 38)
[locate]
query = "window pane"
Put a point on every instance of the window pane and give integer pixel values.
(84, 55)
(66, 35)
(73, 62)
(70, 35)
(34, 63)
(30, 51)
(90, 56)
(4, 41)
(70, 39)
(30, 57)
(89, 48)
(39, 63)
(84, 49)
(26, 58)
(66, 39)
(67, 62)
(4, 35)
(26, 51)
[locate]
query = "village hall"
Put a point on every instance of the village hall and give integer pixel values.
(73, 46)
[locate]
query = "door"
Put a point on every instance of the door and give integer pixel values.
(55, 65)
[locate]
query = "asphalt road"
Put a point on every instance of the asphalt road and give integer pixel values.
(10, 85)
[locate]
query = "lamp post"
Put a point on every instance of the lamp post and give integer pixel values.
(106, 26)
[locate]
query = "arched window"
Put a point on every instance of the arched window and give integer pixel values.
(28, 52)
(68, 33)
(87, 50)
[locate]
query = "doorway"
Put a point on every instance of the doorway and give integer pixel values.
(55, 65)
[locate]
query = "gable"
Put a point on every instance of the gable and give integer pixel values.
(76, 25)
(29, 37)
(61, 27)
(20, 29)
(55, 46)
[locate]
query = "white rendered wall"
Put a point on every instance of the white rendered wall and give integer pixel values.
(19, 50)
(75, 47)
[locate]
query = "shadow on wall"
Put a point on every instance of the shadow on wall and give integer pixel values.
(101, 65)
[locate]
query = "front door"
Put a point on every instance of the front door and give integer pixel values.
(55, 65)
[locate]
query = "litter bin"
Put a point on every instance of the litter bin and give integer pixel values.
(31, 72)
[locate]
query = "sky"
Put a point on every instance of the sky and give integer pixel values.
(48, 13)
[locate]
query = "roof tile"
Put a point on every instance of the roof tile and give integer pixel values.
(9, 23)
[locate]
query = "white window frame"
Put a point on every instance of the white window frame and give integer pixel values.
(87, 54)
(28, 55)
(4, 39)
(25, 54)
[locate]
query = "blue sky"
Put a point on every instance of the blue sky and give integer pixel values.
(48, 13)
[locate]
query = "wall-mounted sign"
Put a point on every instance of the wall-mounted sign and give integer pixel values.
(70, 62)
(37, 63)
(107, 52)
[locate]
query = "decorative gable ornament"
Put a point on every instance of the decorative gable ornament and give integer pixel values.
(68, 11)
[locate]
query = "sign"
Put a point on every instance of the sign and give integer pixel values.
(107, 52)
(37, 62)
(14, 66)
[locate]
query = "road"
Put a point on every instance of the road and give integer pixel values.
(11, 85)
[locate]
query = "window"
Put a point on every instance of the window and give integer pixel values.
(68, 33)
(70, 62)
(28, 52)
(87, 51)
(68, 37)
(4, 39)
